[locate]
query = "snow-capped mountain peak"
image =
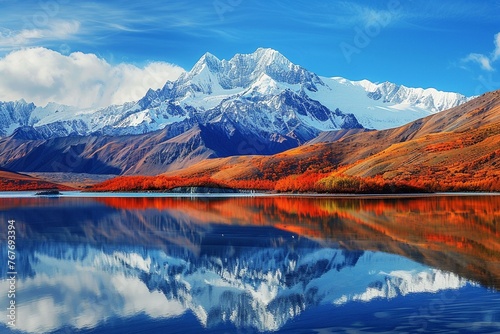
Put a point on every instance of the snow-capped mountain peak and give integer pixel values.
(243, 70)
(268, 55)
(209, 61)
(251, 86)
(264, 60)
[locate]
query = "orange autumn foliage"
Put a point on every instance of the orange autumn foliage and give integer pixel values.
(165, 183)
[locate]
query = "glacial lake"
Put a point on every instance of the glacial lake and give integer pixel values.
(252, 264)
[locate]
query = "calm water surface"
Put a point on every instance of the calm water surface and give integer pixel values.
(253, 264)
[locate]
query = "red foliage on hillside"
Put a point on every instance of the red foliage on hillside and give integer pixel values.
(309, 182)
(165, 183)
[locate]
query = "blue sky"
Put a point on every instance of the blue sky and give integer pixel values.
(449, 45)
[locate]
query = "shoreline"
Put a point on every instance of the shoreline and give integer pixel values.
(86, 194)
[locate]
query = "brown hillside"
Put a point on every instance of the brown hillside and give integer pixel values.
(457, 149)
(12, 181)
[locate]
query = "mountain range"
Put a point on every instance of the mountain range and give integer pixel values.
(259, 103)
(260, 117)
(263, 93)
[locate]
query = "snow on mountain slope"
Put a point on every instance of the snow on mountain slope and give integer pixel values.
(428, 99)
(253, 87)
(386, 105)
(14, 115)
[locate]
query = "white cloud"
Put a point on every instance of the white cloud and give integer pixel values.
(486, 61)
(41, 75)
(57, 30)
(496, 53)
(480, 59)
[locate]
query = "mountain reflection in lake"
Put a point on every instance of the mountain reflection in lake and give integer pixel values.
(257, 264)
